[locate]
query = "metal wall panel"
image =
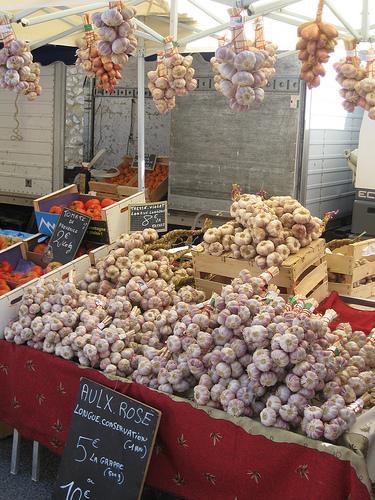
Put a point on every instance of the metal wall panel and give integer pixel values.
(29, 153)
(331, 130)
(213, 147)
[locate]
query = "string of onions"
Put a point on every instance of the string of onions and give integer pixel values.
(316, 40)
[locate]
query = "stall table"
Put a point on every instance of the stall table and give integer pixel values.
(200, 452)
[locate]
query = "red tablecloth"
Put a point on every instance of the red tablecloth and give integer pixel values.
(359, 320)
(199, 453)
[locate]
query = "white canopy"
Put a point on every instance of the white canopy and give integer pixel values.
(198, 24)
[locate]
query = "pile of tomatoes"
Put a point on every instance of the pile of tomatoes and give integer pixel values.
(152, 177)
(126, 174)
(7, 275)
(92, 207)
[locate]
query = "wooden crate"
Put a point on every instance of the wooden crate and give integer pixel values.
(10, 300)
(342, 260)
(103, 188)
(115, 219)
(302, 273)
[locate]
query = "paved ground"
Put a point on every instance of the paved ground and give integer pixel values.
(21, 486)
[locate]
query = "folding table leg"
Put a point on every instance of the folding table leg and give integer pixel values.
(36, 461)
(15, 452)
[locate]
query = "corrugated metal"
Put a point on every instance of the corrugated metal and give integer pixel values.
(329, 180)
(27, 153)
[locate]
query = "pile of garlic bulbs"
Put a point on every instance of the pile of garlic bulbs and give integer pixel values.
(246, 351)
(18, 72)
(240, 77)
(243, 69)
(162, 94)
(116, 30)
(84, 44)
(350, 73)
(367, 86)
(180, 73)
(264, 230)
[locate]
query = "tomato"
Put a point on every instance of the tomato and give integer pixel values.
(5, 266)
(51, 266)
(93, 209)
(81, 211)
(38, 270)
(56, 209)
(93, 201)
(27, 277)
(3, 292)
(40, 248)
(106, 202)
(76, 204)
(4, 286)
(15, 277)
(81, 251)
(4, 275)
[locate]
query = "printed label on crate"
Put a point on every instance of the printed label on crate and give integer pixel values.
(97, 232)
(370, 250)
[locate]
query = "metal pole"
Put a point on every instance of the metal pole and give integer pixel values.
(141, 115)
(173, 19)
(343, 21)
(365, 20)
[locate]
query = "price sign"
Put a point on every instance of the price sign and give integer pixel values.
(148, 215)
(66, 237)
(108, 448)
(150, 160)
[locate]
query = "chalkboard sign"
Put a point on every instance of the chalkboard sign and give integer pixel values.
(150, 161)
(145, 215)
(108, 448)
(66, 237)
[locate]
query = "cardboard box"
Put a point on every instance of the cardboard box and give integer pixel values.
(116, 190)
(114, 218)
(302, 273)
(10, 300)
(344, 261)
